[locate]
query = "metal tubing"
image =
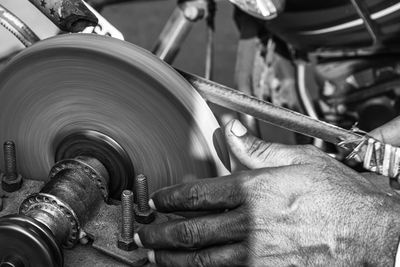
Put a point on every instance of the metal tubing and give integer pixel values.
(177, 28)
(17, 27)
(265, 111)
(172, 36)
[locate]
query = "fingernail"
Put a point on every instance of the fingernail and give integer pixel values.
(151, 204)
(151, 256)
(137, 240)
(238, 129)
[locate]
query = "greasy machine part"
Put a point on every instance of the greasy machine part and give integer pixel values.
(97, 145)
(27, 242)
(78, 82)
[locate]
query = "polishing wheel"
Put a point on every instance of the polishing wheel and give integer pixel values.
(93, 95)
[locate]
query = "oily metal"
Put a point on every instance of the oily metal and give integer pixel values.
(95, 144)
(53, 217)
(102, 230)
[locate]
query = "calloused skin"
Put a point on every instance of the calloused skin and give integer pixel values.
(296, 206)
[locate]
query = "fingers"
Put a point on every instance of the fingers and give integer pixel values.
(198, 232)
(206, 194)
(255, 153)
(388, 133)
(229, 255)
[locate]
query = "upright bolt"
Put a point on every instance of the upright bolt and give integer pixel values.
(127, 214)
(10, 160)
(11, 180)
(125, 237)
(144, 214)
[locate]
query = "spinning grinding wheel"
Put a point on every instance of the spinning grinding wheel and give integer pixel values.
(79, 94)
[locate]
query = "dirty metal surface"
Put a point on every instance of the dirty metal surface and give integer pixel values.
(11, 201)
(102, 229)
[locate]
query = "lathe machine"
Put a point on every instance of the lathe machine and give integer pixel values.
(88, 119)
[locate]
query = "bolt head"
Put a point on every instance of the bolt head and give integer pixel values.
(145, 217)
(11, 185)
(126, 244)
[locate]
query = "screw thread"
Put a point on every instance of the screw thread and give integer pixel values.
(127, 214)
(10, 160)
(142, 193)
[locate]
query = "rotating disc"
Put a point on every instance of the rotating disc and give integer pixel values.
(74, 83)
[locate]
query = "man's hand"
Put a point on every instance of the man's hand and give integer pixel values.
(297, 207)
(388, 133)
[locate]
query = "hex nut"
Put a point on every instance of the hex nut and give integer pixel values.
(145, 217)
(11, 185)
(126, 244)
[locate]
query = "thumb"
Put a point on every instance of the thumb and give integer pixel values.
(389, 133)
(255, 153)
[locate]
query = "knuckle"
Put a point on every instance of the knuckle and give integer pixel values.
(194, 195)
(260, 149)
(188, 235)
(201, 259)
(254, 147)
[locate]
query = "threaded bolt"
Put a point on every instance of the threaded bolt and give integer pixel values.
(142, 192)
(144, 214)
(125, 237)
(10, 160)
(128, 215)
(11, 180)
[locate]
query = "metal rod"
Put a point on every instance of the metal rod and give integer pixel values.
(265, 111)
(370, 25)
(209, 54)
(305, 97)
(173, 35)
(210, 19)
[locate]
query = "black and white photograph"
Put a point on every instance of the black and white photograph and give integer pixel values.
(199, 133)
